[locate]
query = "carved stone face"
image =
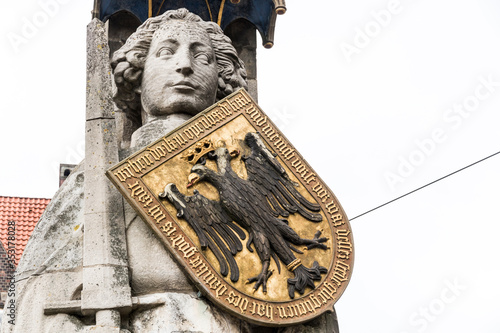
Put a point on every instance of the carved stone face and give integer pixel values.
(180, 72)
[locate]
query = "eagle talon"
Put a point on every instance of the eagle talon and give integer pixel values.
(260, 280)
(317, 242)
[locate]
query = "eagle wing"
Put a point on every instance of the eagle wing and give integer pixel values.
(213, 226)
(271, 180)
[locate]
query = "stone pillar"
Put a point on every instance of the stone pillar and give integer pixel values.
(244, 37)
(106, 291)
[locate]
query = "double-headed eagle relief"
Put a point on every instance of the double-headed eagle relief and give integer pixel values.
(254, 226)
(255, 205)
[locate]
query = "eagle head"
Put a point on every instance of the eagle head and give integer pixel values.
(198, 172)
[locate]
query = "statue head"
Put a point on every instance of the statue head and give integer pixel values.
(174, 63)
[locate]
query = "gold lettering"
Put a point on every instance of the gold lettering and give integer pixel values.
(343, 235)
(145, 160)
(237, 301)
(310, 177)
(332, 208)
(220, 291)
(280, 144)
(216, 117)
(137, 166)
(287, 152)
(136, 190)
(221, 115)
(326, 293)
(337, 220)
(299, 309)
(183, 246)
(177, 240)
(183, 138)
(242, 304)
(157, 153)
(257, 117)
(290, 157)
(145, 199)
(262, 310)
(268, 131)
(124, 173)
(252, 111)
(179, 140)
(207, 122)
(195, 262)
(211, 118)
(225, 109)
(168, 228)
(214, 285)
(343, 254)
(260, 120)
(281, 312)
(196, 130)
(308, 306)
(245, 98)
(340, 272)
(169, 145)
(156, 213)
(230, 297)
(302, 170)
(315, 301)
(347, 246)
(209, 278)
(241, 101)
(320, 191)
(291, 310)
(331, 289)
(234, 105)
(296, 163)
(202, 270)
(188, 133)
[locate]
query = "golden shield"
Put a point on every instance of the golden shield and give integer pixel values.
(258, 257)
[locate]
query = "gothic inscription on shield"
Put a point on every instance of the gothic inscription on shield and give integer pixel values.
(255, 227)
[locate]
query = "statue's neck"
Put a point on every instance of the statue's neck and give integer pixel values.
(156, 127)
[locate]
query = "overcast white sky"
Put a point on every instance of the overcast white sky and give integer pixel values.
(380, 96)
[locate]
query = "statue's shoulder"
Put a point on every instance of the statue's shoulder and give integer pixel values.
(60, 224)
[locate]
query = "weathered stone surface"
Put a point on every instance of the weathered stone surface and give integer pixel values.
(148, 132)
(183, 312)
(99, 92)
(33, 293)
(56, 243)
(153, 268)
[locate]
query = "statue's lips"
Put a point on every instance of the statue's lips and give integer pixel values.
(184, 86)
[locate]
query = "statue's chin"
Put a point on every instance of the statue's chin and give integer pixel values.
(187, 103)
(156, 127)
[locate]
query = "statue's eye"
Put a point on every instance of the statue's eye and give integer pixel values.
(165, 51)
(202, 57)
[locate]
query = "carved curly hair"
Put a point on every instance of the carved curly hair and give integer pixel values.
(128, 62)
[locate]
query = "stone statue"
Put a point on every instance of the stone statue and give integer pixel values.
(174, 66)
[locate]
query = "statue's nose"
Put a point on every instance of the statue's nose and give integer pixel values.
(184, 64)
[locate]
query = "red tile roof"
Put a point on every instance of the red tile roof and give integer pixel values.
(25, 212)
